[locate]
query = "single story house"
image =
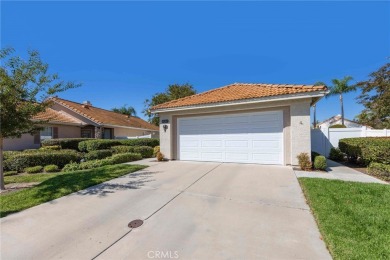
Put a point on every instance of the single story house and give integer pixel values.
(68, 119)
(336, 120)
(244, 123)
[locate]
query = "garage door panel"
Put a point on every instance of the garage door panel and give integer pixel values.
(212, 143)
(247, 138)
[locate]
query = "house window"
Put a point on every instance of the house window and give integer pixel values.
(49, 133)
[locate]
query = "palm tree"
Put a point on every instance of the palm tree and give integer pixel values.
(126, 110)
(340, 87)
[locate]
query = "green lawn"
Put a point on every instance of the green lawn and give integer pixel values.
(354, 218)
(38, 177)
(59, 184)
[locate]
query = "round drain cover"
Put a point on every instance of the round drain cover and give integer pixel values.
(135, 223)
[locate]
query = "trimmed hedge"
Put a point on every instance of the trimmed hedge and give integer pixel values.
(65, 143)
(10, 173)
(96, 155)
(9, 154)
(336, 155)
(145, 151)
(97, 144)
(101, 144)
(122, 149)
(35, 169)
(115, 159)
(51, 147)
(379, 170)
(366, 149)
(21, 161)
(51, 168)
(320, 163)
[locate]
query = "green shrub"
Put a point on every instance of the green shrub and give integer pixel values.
(366, 149)
(51, 147)
(338, 126)
(151, 142)
(96, 155)
(115, 159)
(23, 160)
(9, 154)
(100, 144)
(97, 144)
(32, 151)
(70, 167)
(35, 169)
(65, 143)
(336, 155)
(156, 149)
(51, 168)
(123, 149)
(10, 173)
(320, 163)
(304, 161)
(379, 170)
(125, 157)
(145, 151)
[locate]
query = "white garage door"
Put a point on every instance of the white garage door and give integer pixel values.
(245, 138)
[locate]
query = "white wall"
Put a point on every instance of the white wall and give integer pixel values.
(322, 140)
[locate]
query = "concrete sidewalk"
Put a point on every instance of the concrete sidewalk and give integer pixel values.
(337, 171)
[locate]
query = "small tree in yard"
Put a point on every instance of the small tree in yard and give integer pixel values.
(375, 98)
(24, 87)
(173, 92)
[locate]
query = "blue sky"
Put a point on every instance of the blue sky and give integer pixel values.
(124, 52)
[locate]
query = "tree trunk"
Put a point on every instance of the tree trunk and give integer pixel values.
(2, 187)
(315, 117)
(342, 109)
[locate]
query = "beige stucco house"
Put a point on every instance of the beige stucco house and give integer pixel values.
(245, 123)
(68, 119)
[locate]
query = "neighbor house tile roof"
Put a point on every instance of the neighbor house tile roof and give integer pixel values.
(105, 117)
(239, 91)
(55, 116)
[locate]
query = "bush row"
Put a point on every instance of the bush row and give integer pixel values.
(65, 143)
(20, 161)
(115, 159)
(97, 155)
(93, 145)
(379, 170)
(366, 149)
(145, 151)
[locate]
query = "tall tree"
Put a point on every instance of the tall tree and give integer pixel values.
(24, 88)
(340, 87)
(375, 98)
(173, 92)
(125, 110)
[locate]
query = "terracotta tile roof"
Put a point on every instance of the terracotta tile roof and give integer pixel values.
(55, 116)
(105, 117)
(239, 91)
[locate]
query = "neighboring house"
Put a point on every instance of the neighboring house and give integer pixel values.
(336, 120)
(245, 123)
(68, 119)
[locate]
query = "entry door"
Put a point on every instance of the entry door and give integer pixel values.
(243, 138)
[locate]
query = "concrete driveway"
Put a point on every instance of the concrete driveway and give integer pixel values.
(190, 211)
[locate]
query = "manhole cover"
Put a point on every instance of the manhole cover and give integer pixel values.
(135, 223)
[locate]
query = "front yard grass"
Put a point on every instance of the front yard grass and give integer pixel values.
(57, 185)
(354, 218)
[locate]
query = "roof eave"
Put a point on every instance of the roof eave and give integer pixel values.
(129, 127)
(318, 94)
